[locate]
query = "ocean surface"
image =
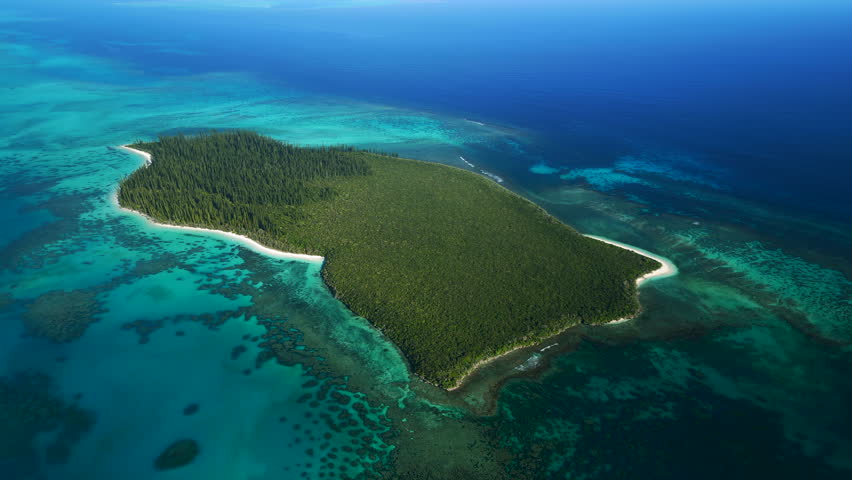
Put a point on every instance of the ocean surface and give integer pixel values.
(717, 134)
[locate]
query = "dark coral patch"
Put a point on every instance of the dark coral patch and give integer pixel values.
(28, 407)
(178, 454)
(61, 316)
(237, 351)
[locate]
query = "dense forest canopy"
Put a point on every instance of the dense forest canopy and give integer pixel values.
(451, 266)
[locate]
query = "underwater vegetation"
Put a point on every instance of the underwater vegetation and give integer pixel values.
(29, 407)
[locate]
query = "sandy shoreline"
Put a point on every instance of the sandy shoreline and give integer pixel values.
(145, 155)
(667, 269)
(242, 239)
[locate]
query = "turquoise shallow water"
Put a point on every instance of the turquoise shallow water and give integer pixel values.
(736, 367)
(172, 312)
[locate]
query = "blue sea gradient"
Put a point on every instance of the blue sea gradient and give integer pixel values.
(760, 87)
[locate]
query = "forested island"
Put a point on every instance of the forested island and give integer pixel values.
(452, 267)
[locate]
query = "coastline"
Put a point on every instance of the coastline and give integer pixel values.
(485, 361)
(241, 239)
(667, 269)
(145, 155)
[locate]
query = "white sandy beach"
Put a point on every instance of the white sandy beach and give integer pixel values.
(145, 155)
(667, 269)
(242, 239)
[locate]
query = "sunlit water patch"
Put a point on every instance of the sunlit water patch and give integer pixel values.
(822, 294)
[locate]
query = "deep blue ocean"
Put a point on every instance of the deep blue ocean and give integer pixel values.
(715, 133)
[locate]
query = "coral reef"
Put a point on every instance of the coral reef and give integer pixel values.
(61, 316)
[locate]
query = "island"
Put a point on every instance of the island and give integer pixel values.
(452, 267)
